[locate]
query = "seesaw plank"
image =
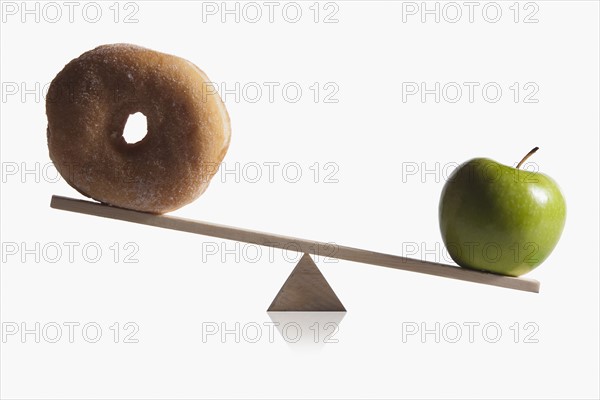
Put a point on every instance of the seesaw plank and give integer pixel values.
(290, 243)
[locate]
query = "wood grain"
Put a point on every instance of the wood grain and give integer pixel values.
(290, 243)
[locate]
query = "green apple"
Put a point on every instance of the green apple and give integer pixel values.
(500, 219)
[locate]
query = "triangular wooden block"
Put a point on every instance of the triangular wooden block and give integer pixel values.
(306, 290)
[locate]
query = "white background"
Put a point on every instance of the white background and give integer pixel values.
(171, 294)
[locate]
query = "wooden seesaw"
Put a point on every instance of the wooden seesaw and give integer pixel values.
(305, 289)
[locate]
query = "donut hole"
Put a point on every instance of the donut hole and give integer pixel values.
(136, 128)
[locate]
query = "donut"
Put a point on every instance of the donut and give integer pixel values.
(88, 104)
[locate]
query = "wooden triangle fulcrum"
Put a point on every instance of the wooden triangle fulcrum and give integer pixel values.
(306, 289)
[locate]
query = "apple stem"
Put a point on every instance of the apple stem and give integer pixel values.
(527, 156)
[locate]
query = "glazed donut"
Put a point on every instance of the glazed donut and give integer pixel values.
(88, 104)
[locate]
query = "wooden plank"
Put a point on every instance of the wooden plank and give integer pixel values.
(290, 243)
